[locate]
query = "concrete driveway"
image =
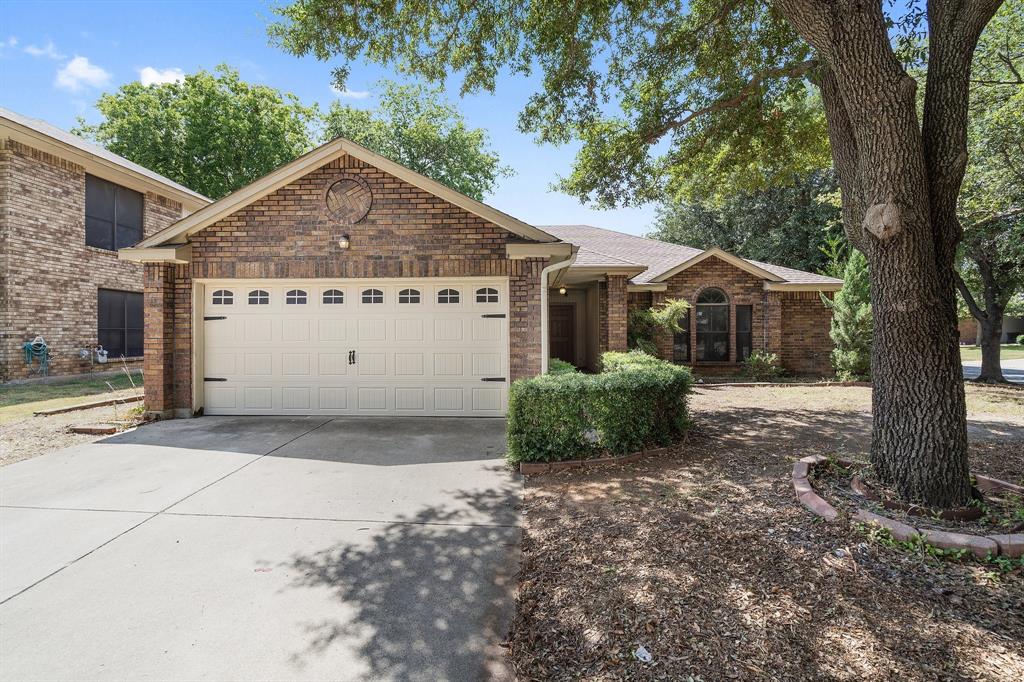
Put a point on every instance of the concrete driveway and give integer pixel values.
(261, 548)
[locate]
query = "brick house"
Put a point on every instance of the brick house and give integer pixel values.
(345, 283)
(65, 207)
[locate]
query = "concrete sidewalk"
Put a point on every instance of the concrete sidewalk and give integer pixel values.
(261, 548)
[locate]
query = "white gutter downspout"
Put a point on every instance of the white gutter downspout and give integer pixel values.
(545, 342)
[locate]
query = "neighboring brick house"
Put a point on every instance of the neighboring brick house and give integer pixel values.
(65, 207)
(345, 283)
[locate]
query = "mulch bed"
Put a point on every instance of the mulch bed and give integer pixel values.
(704, 557)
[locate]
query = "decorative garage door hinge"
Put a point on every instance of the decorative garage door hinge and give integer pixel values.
(502, 315)
(215, 317)
(214, 379)
(493, 379)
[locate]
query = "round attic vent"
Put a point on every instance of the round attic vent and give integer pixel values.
(348, 199)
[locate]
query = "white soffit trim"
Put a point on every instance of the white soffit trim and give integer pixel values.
(179, 253)
(802, 286)
(646, 287)
(728, 258)
(324, 154)
(559, 250)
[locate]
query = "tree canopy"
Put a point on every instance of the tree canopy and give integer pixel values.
(211, 132)
(790, 225)
(415, 126)
(620, 78)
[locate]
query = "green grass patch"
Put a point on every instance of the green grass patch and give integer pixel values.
(21, 400)
(1007, 351)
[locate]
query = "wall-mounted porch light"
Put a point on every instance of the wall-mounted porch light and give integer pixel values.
(344, 242)
(562, 291)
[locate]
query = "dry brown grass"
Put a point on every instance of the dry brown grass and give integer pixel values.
(706, 559)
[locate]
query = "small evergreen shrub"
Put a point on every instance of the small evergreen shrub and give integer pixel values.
(1020, 339)
(762, 366)
(852, 322)
(556, 366)
(636, 402)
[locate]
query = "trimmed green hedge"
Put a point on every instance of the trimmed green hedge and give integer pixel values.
(636, 402)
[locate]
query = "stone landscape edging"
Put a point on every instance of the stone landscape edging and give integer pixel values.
(1007, 545)
(530, 468)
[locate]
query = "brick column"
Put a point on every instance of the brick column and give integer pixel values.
(182, 375)
(664, 339)
(617, 312)
(773, 323)
(524, 317)
(158, 361)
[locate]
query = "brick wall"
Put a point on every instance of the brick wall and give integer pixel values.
(49, 276)
(408, 232)
(792, 324)
(617, 312)
(967, 328)
(806, 345)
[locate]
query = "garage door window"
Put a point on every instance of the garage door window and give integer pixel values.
(259, 297)
(409, 296)
(119, 322)
(223, 297)
(295, 297)
(373, 296)
(487, 295)
(448, 296)
(334, 297)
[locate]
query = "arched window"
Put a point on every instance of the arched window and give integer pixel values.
(373, 296)
(712, 326)
(409, 296)
(223, 297)
(487, 295)
(334, 297)
(295, 297)
(448, 296)
(258, 297)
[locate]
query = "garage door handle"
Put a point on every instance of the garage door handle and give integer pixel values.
(493, 379)
(214, 317)
(501, 315)
(214, 379)
(351, 357)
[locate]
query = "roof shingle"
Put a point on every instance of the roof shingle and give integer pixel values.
(658, 256)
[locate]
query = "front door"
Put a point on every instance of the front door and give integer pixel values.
(562, 324)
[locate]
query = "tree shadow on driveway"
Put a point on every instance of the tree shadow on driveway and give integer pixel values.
(430, 598)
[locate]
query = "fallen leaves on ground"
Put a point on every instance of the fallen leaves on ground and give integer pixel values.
(706, 560)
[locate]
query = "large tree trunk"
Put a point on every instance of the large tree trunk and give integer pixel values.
(899, 187)
(990, 319)
(991, 330)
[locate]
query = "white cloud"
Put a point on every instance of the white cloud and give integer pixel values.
(79, 73)
(350, 94)
(10, 42)
(49, 51)
(152, 76)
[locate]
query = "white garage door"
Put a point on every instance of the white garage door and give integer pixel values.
(412, 347)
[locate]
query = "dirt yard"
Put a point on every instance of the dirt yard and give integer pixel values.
(24, 435)
(706, 560)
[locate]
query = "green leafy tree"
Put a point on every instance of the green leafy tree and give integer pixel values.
(414, 126)
(645, 324)
(668, 98)
(852, 323)
(790, 225)
(212, 132)
(991, 257)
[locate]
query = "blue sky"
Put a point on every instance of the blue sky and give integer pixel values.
(56, 58)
